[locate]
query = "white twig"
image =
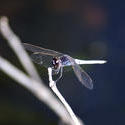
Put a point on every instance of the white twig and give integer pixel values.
(33, 81)
(78, 61)
(38, 89)
(52, 84)
(15, 44)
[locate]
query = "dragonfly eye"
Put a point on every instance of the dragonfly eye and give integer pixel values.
(55, 63)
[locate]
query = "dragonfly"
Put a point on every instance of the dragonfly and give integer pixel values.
(57, 61)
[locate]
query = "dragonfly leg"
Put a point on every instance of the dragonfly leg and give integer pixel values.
(61, 71)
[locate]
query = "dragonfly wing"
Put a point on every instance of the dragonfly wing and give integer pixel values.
(43, 51)
(83, 77)
(42, 56)
(43, 60)
(40, 59)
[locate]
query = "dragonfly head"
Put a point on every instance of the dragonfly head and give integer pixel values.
(56, 63)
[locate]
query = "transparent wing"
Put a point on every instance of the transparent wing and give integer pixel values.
(41, 55)
(44, 60)
(40, 59)
(83, 77)
(40, 50)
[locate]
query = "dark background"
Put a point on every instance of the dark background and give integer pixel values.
(84, 29)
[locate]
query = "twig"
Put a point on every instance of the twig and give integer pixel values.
(52, 84)
(38, 89)
(15, 44)
(33, 81)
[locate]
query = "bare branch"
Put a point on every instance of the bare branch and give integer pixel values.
(38, 89)
(52, 84)
(15, 44)
(32, 82)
